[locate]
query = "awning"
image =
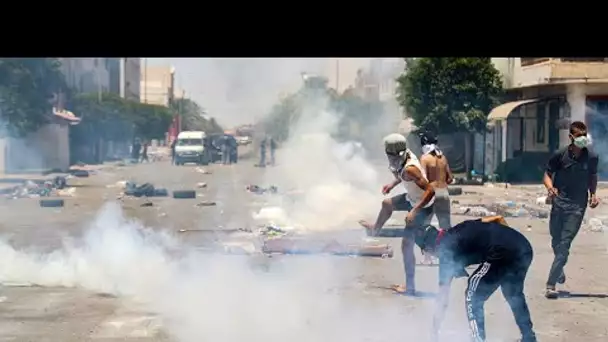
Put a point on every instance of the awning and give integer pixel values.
(503, 111)
(66, 115)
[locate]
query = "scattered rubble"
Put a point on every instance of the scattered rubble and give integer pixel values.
(206, 204)
(55, 187)
(261, 190)
(597, 224)
(203, 171)
(146, 189)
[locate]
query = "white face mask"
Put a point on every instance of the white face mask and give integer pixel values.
(581, 142)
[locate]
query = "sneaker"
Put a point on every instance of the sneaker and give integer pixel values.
(551, 293)
(562, 278)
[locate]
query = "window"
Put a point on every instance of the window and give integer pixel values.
(526, 61)
(540, 123)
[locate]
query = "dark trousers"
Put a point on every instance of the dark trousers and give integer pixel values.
(510, 277)
(423, 217)
(262, 158)
(564, 224)
(225, 155)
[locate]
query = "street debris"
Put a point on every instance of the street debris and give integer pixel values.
(206, 204)
(454, 191)
(184, 194)
(597, 224)
(503, 208)
(272, 231)
(261, 190)
(69, 192)
(55, 187)
(203, 171)
(146, 189)
(291, 245)
(147, 204)
(51, 203)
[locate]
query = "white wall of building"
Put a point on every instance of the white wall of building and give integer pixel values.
(157, 85)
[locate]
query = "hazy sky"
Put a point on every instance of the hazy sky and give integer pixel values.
(237, 90)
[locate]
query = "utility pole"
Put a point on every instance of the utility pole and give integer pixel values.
(145, 80)
(98, 74)
(181, 110)
(338, 75)
(122, 76)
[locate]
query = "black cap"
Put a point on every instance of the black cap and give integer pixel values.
(427, 138)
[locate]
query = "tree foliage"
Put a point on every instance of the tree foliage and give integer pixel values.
(27, 87)
(193, 117)
(350, 108)
(116, 119)
(452, 94)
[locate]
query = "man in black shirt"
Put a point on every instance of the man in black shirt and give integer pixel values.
(571, 180)
(503, 255)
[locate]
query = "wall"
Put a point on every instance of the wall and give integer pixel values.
(157, 85)
(46, 149)
(552, 71)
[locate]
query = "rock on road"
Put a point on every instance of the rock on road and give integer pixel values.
(366, 312)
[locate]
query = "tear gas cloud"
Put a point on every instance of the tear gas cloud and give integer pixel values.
(204, 297)
(239, 91)
(213, 297)
(334, 184)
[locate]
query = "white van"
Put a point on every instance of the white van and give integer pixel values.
(190, 148)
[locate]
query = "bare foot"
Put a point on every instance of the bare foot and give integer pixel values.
(366, 225)
(402, 290)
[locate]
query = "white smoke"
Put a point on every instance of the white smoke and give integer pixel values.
(204, 297)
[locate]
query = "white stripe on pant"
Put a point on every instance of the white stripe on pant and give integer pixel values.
(471, 288)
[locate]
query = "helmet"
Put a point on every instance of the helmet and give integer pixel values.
(395, 144)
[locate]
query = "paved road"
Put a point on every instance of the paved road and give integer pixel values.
(110, 279)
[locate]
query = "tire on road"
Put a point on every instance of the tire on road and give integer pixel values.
(51, 203)
(454, 191)
(160, 192)
(80, 173)
(184, 194)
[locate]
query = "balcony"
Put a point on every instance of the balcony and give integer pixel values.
(561, 70)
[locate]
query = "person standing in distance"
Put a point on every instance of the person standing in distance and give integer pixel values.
(571, 182)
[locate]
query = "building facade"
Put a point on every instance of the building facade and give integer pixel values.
(378, 81)
(125, 77)
(341, 73)
(546, 94)
(87, 75)
(157, 85)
